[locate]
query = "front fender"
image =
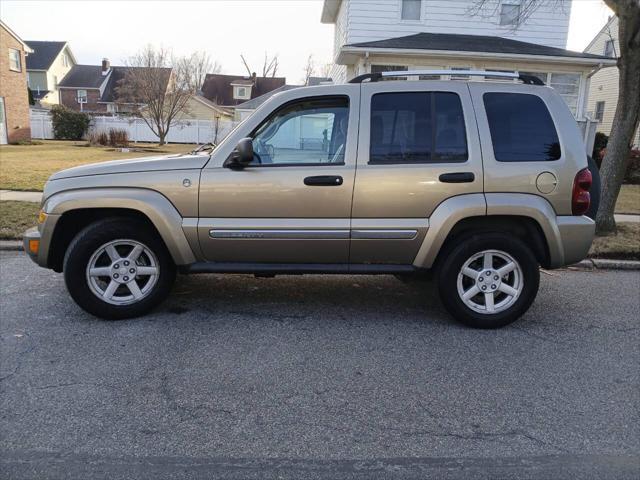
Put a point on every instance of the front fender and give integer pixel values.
(156, 207)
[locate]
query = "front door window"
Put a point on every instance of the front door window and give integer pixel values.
(307, 132)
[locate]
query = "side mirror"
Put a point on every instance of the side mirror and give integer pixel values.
(242, 155)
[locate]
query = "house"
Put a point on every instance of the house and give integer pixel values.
(200, 108)
(603, 94)
(245, 109)
(462, 35)
(94, 88)
(46, 67)
(14, 97)
(232, 90)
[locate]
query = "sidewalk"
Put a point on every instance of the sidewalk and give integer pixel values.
(34, 197)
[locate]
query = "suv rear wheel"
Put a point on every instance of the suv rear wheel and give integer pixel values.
(488, 280)
(117, 268)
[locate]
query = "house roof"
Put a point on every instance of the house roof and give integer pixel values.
(218, 88)
(90, 76)
(606, 28)
(24, 44)
(44, 53)
(330, 10)
(39, 94)
(472, 43)
(118, 75)
(83, 76)
(256, 102)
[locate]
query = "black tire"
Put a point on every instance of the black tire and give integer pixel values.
(94, 236)
(595, 190)
(454, 259)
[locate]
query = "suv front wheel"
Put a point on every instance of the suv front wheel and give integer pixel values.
(117, 268)
(488, 280)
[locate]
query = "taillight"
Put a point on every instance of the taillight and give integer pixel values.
(580, 198)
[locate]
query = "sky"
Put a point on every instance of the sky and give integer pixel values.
(225, 29)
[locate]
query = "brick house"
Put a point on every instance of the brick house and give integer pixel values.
(93, 88)
(14, 98)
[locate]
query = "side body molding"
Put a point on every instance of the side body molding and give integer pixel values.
(442, 220)
(154, 205)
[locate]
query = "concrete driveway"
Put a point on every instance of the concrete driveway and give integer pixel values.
(318, 377)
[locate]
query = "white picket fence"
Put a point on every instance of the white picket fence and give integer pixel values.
(185, 131)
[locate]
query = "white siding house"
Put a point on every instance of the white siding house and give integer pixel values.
(603, 94)
(378, 35)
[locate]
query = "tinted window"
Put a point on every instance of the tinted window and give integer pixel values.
(312, 131)
(521, 128)
(424, 127)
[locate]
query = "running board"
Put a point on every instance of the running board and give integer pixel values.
(295, 268)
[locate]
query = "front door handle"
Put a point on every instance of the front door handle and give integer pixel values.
(324, 180)
(457, 177)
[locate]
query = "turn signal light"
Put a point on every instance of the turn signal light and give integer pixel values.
(581, 198)
(42, 217)
(34, 245)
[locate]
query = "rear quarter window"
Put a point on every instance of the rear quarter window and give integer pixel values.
(521, 127)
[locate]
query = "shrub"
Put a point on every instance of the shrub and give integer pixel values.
(118, 138)
(113, 138)
(67, 124)
(599, 145)
(98, 138)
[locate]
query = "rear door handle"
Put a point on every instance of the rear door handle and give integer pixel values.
(324, 180)
(457, 177)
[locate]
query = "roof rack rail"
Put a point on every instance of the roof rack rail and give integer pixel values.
(374, 77)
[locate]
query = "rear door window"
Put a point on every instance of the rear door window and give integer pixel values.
(417, 127)
(521, 127)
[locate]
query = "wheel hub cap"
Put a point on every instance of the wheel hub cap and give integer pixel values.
(490, 281)
(122, 272)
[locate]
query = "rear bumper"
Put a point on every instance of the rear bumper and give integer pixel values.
(576, 234)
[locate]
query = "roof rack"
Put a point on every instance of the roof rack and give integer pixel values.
(374, 77)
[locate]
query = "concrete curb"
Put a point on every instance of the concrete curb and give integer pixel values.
(587, 264)
(10, 245)
(605, 264)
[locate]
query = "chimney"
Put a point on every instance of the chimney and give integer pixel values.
(105, 66)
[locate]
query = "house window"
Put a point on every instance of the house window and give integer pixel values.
(568, 86)
(411, 9)
(509, 14)
(65, 60)
(82, 96)
(540, 75)
(417, 127)
(55, 81)
(609, 48)
(389, 68)
(521, 128)
(599, 110)
(14, 60)
(241, 93)
(460, 77)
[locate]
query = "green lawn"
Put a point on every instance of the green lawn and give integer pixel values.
(27, 167)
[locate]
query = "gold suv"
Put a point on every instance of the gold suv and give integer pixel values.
(481, 182)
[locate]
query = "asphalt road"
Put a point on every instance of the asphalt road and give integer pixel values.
(318, 377)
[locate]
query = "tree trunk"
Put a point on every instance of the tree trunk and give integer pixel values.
(625, 120)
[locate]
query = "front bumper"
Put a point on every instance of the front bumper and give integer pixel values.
(41, 234)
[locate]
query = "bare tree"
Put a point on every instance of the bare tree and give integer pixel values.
(627, 115)
(159, 86)
(325, 70)
(269, 66)
(198, 65)
(309, 70)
